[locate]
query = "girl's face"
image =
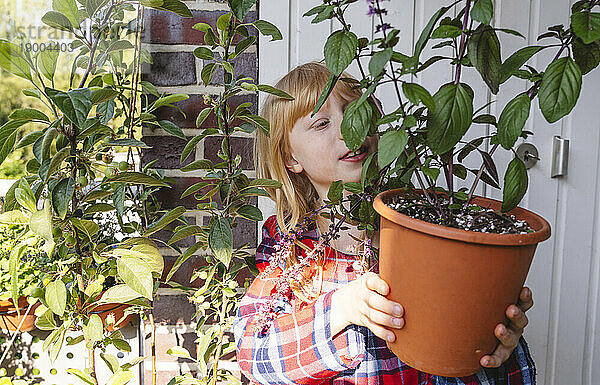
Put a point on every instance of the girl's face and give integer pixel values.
(318, 149)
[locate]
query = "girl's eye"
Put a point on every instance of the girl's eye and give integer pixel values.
(321, 124)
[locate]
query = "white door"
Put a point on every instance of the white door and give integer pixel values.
(563, 333)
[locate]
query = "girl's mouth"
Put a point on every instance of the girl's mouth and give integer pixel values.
(355, 156)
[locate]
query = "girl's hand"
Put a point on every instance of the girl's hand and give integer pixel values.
(509, 336)
(362, 302)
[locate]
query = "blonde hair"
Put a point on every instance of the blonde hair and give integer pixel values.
(297, 196)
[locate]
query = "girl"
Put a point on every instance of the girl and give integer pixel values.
(313, 315)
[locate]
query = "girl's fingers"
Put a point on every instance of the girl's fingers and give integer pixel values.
(378, 330)
(517, 317)
(384, 319)
(525, 299)
(377, 284)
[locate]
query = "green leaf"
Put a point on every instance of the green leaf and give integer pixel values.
(179, 352)
(56, 297)
(119, 294)
(136, 178)
(451, 118)
(204, 53)
(586, 26)
(335, 192)
(103, 94)
(220, 240)
(69, 9)
(243, 45)
(81, 99)
(81, 375)
(250, 212)
(268, 29)
(516, 61)
(46, 321)
(417, 93)
(169, 99)
(29, 139)
(46, 62)
(167, 218)
(182, 258)
(560, 89)
(483, 11)
(174, 6)
(14, 260)
(515, 185)
(353, 187)
(207, 73)
(270, 183)
(149, 252)
(446, 31)
(13, 61)
(223, 22)
(426, 33)
(172, 129)
(356, 124)
(390, 146)
(240, 7)
(340, 50)
(184, 232)
(274, 91)
(484, 54)
(136, 273)
(512, 120)
(329, 85)
(587, 56)
(378, 61)
(57, 161)
(28, 114)
(85, 226)
(126, 142)
(120, 378)
(200, 164)
(57, 20)
(61, 196)
(258, 121)
(110, 361)
(201, 118)
(41, 224)
(191, 145)
(119, 45)
(95, 329)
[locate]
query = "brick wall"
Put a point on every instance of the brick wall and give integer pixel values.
(171, 41)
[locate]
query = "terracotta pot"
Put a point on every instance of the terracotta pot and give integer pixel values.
(455, 285)
(117, 309)
(10, 320)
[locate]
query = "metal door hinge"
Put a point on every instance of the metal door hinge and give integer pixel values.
(560, 156)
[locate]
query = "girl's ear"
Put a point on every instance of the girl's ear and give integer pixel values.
(293, 165)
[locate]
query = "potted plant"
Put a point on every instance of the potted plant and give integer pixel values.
(95, 216)
(24, 293)
(436, 237)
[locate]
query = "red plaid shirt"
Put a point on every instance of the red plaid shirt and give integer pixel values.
(299, 348)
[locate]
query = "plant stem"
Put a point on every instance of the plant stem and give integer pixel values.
(92, 365)
(532, 93)
(217, 355)
(479, 173)
(463, 43)
(93, 50)
(153, 343)
(14, 336)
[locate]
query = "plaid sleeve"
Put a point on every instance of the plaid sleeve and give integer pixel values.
(519, 369)
(298, 348)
